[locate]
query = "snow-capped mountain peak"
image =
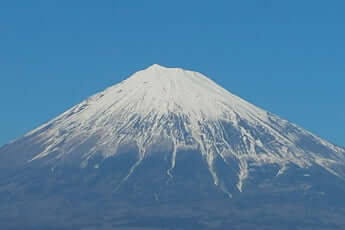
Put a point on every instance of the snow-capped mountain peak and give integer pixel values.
(163, 109)
(174, 90)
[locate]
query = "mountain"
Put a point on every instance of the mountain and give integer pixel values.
(170, 149)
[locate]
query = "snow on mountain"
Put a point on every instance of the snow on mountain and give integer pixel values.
(170, 109)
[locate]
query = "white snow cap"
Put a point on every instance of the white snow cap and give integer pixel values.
(174, 90)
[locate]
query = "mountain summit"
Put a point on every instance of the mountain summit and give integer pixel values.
(166, 132)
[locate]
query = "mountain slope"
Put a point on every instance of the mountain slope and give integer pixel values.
(167, 135)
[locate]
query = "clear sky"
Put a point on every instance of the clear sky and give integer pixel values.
(287, 57)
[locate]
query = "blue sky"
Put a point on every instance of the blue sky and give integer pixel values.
(287, 57)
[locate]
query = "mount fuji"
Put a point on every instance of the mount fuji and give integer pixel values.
(168, 148)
